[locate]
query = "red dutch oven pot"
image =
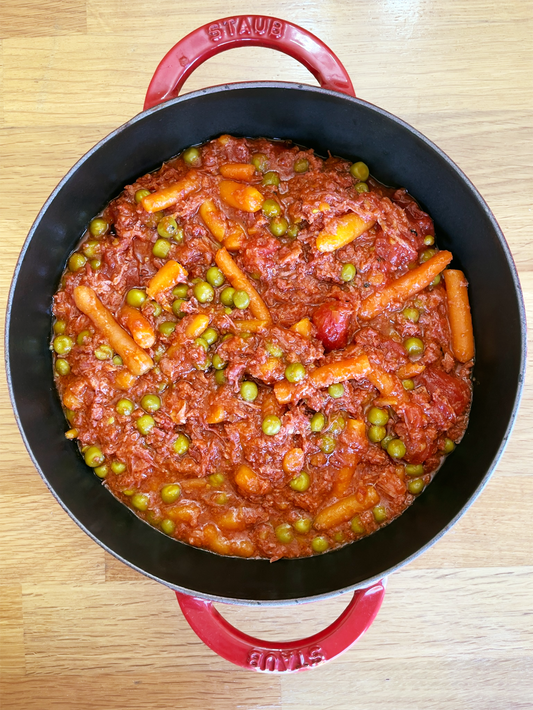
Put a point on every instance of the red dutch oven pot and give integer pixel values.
(329, 118)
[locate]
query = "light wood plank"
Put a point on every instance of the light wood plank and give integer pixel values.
(49, 17)
(12, 658)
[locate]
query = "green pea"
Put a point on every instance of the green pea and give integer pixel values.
(95, 264)
(278, 226)
(359, 170)
(336, 391)
(271, 425)
(295, 372)
(180, 291)
(181, 445)
(327, 444)
(101, 471)
(168, 526)
(201, 343)
(270, 178)
(320, 543)
(93, 456)
(260, 162)
(140, 501)
(292, 231)
(192, 157)
(83, 337)
(145, 424)
(156, 308)
(221, 499)
(124, 407)
(301, 165)
(436, 280)
(176, 308)
(429, 240)
(210, 336)
(135, 297)
(396, 449)
(141, 194)
(426, 255)
(117, 360)
(60, 327)
(70, 415)
(226, 297)
(91, 248)
(339, 536)
(380, 513)
(337, 425)
(318, 422)
(76, 262)
(118, 467)
(271, 208)
(167, 228)
(150, 403)
(386, 441)
(103, 352)
(63, 344)
(357, 526)
(408, 384)
(220, 377)
(284, 533)
(166, 328)
(62, 367)
(378, 416)
(449, 446)
(170, 493)
(416, 486)
(301, 482)
(218, 362)
(348, 272)
(249, 391)
(98, 227)
(274, 349)
(362, 187)
(214, 276)
(377, 433)
(412, 314)
(161, 248)
(302, 525)
(414, 469)
(216, 479)
(203, 292)
(241, 300)
(414, 346)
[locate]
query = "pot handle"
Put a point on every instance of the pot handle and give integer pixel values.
(287, 656)
(240, 31)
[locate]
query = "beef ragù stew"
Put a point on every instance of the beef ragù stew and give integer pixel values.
(261, 352)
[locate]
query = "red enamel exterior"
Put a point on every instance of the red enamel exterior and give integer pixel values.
(288, 656)
(240, 31)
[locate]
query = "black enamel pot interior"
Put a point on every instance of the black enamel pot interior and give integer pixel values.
(325, 121)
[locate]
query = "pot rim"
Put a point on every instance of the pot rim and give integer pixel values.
(239, 86)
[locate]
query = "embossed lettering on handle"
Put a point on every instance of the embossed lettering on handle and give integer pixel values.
(238, 31)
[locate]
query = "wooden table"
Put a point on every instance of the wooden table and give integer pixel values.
(79, 630)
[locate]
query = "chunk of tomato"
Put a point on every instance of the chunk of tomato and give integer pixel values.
(332, 321)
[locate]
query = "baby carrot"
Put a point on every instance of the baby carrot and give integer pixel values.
(168, 276)
(459, 315)
(346, 229)
(241, 282)
(134, 357)
(406, 286)
(168, 196)
(139, 327)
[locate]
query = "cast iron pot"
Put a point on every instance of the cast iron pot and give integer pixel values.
(326, 120)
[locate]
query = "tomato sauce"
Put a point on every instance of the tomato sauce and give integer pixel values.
(239, 388)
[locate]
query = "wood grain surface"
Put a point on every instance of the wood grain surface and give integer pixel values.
(79, 630)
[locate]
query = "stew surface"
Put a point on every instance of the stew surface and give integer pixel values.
(262, 352)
